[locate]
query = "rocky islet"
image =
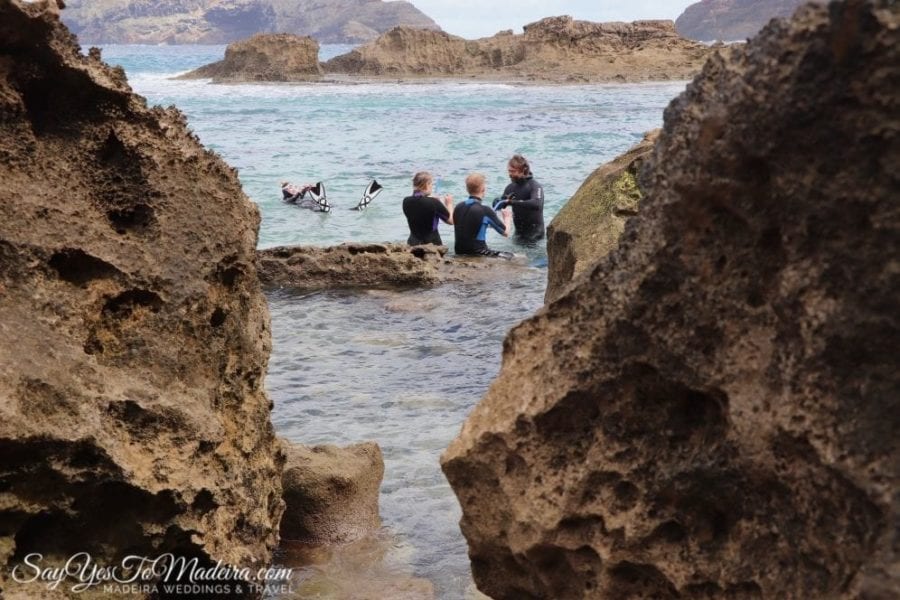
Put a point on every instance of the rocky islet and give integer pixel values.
(555, 50)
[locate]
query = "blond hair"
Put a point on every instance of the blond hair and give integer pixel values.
(421, 181)
(475, 183)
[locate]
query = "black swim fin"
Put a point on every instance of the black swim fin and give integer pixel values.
(318, 195)
(372, 190)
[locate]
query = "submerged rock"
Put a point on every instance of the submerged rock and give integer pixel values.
(376, 567)
(712, 411)
(556, 48)
(135, 334)
(265, 57)
(588, 227)
(331, 493)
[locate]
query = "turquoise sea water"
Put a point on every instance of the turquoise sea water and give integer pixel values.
(401, 368)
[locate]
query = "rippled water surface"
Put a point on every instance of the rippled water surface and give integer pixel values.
(401, 368)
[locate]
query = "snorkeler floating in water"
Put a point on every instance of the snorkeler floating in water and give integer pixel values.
(298, 196)
(318, 199)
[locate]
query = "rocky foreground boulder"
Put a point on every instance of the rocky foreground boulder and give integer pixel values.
(135, 335)
(265, 57)
(712, 411)
(555, 49)
(588, 227)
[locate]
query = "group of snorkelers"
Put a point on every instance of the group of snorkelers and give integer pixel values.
(522, 205)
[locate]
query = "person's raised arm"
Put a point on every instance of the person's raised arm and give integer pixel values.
(448, 206)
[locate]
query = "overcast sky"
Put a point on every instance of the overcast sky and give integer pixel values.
(480, 18)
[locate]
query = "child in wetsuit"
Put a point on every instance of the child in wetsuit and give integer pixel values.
(424, 212)
(471, 220)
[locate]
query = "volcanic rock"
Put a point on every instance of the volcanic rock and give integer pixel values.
(731, 20)
(226, 21)
(331, 493)
(712, 410)
(265, 57)
(588, 227)
(556, 48)
(135, 334)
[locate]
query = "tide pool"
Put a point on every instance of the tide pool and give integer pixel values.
(401, 368)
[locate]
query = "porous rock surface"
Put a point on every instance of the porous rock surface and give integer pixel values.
(555, 49)
(331, 493)
(712, 412)
(350, 265)
(135, 337)
(265, 57)
(588, 227)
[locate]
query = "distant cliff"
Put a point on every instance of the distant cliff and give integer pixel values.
(731, 20)
(224, 21)
(555, 48)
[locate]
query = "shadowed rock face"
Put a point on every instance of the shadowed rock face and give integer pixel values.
(555, 48)
(265, 57)
(731, 20)
(135, 336)
(712, 411)
(588, 227)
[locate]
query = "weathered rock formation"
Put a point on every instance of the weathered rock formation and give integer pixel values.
(265, 57)
(712, 411)
(588, 227)
(226, 21)
(350, 265)
(555, 48)
(731, 20)
(331, 493)
(135, 336)
(374, 266)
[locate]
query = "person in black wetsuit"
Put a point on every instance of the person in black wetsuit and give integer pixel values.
(471, 220)
(526, 198)
(297, 195)
(424, 212)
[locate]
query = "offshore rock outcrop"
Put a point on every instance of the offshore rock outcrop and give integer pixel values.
(555, 49)
(265, 57)
(731, 20)
(712, 411)
(135, 334)
(331, 493)
(226, 21)
(588, 227)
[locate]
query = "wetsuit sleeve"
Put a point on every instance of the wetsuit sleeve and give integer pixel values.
(494, 221)
(441, 210)
(535, 200)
